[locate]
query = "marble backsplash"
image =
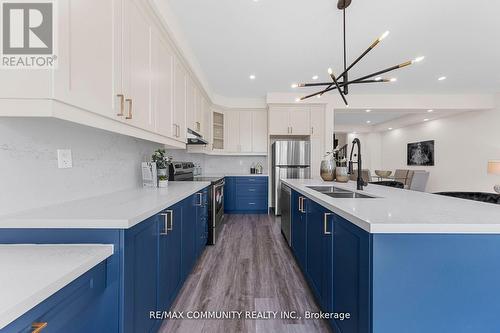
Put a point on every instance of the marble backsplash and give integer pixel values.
(103, 162)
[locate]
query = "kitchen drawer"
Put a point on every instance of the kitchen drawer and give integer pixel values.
(67, 310)
(251, 180)
(252, 204)
(254, 190)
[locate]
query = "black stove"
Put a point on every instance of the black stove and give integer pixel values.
(183, 171)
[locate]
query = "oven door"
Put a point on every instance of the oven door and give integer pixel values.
(217, 209)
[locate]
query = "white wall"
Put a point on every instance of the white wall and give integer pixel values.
(463, 146)
(212, 164)
(103, 162)
(371, 150)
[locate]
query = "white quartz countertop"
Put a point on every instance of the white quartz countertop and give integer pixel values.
(234, 175)
(32, 273)
(404, 211)
(119, 210)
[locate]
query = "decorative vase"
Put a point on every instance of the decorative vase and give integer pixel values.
(162, 172)
(341, 175)
(497, 188)
(162, 183)
(327, 170)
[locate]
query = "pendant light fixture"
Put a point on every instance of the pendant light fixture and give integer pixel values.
(341, 82)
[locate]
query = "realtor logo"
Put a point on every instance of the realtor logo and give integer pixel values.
(28, 34)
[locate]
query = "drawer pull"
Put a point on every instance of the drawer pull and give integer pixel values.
(169, 213)
(200, 203)
(251, 190)
(325, 224)
(251, 203)
(38, 327)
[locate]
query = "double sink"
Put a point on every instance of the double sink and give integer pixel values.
(336, 192)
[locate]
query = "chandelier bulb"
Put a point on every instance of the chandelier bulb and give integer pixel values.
(384, 35)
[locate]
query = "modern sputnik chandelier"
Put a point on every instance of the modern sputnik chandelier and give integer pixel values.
(341, 82)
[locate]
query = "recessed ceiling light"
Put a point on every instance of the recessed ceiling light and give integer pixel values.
(368, 121)
(252, 77)
(368, 110)
(390, 128)
(297, 99)
(393, 79)
(295, 85)
(442, 78)
(315, 77)
(430, 111)
(426, 119)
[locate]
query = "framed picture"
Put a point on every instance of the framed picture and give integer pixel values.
(421, 153)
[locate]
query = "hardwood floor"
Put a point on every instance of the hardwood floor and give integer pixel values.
(251, 268)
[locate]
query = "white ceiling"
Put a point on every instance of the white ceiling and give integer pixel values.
(286, 41)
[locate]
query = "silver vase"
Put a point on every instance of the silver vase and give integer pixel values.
(327, 170)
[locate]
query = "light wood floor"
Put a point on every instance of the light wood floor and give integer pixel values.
(250, 268)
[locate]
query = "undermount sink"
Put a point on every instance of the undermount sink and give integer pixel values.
(336, 192)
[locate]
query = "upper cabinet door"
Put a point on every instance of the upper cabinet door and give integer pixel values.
(162, 62)
(89, 56)
(300, 121)
(136, 67)
(278, 121)
(190, 103)
(231, 131)
(317, 121)
(259, 132)
(245, 131)
(179, 119)
(198, 111)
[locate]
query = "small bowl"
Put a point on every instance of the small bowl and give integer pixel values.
(383, 173)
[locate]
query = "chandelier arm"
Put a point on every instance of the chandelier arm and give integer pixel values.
(339, 89)
(357, 81)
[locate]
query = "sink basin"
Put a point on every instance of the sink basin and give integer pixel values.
(336, 192)
(349, 195)
(328, 189)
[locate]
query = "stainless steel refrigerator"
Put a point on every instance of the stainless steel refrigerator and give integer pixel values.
(291, 159)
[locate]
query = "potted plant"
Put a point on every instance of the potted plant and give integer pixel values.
(162, 181)
(161, 161)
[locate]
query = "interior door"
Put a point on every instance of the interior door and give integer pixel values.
(136, 69)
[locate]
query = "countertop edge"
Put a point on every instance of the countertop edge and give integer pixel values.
(35, 299)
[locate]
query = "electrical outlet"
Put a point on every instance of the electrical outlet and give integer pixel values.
(64, 159)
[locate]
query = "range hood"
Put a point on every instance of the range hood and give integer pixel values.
(194, 138)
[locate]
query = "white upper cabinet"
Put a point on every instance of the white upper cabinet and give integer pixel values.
(179, 116)
(89, 56)
(162, 63)
(245, 132)
(190, 103)
(317, 121)
(231, 131)
(289, 120)
(318, 139)
(136, 75)
(259, 132)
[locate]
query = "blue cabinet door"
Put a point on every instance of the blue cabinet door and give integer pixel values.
(351, 276)
(230, 194)
(319, 253)
(169, 265)
(141, 260)
(188, 229)
(201, 221)
(299, 229)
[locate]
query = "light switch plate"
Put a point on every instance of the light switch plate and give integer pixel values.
(64, 159)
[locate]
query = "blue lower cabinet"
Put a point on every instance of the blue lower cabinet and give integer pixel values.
(188, 235)
(70, 309)
(169, 256)
(202, 221)
(351, 276)
(140, 275)
(320, 253)
(246, 195)
(299, 229)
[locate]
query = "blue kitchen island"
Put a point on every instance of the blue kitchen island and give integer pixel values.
(398, 261)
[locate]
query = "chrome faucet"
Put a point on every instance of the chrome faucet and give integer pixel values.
(360, 182)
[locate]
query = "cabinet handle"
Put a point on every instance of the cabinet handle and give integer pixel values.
(198, 126)
(178, 131)
(325, 224)
(199, 204)
(166, 215)
(122, 104)
(291, 130)
(312, 130)
(38, 327)
(251, 190)
(301, 202)
(129, 101)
